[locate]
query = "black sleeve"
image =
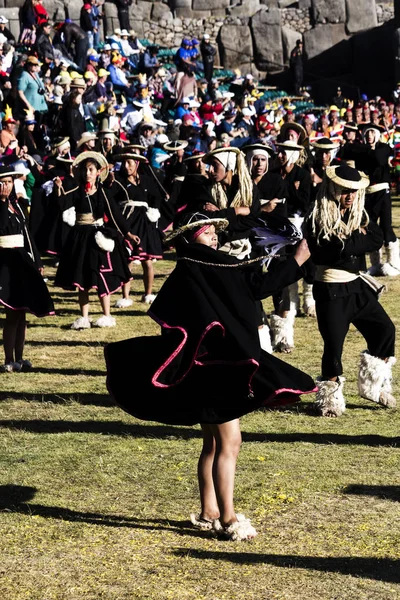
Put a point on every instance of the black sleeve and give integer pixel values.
(360, 243)
(279, 276)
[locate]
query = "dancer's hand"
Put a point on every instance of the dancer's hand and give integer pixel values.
(242, 210)
(210, 207)
(133, 238)
(302, 253)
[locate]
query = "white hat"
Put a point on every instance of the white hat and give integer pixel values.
(117, 31)
(124, 32)
(206, 36)
(161, 138)
(20, 168)
(3, 19)
(57, 100)
(107, 47)
(185, 100)
(246, 112)
(114, 46)
(194, 104)
(249, 76)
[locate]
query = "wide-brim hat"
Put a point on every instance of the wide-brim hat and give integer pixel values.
(325, 143)
(78, 82)
(107, 132)
(347, 177)
(7, 171)
(209, 156)
(365, 126)
(121, 156)
(65, 159)
(219, 224)
(194, 156)
(252, 147)
(96, 157)
(87, 136)
(289, 145)
(175, 145)
(351, 126)
(296, 127)
(60, 142)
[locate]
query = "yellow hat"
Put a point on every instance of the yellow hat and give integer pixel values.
(103, 72)
(89, 75)
(74, 75)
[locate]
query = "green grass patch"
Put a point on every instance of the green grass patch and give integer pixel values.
(94, 504)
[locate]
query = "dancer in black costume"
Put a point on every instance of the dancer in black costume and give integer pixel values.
(22, 288)
(207, 366)
(94, 255)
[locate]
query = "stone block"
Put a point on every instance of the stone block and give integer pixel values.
(305, 3)
(160, 11)
(289, 39)
(140, 11)
(180, 4)
(13, 3)
(110, 10)
(184, 12)
(247, 8)
(209, 4)
(329, 11)
(267, 35)
(361, 15)
(236, 46)
(323, 37)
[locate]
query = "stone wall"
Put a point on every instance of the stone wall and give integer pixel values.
(254, 34)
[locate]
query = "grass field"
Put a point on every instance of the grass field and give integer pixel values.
(95, 504)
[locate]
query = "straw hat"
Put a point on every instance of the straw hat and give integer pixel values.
(175, 145)
(194, 156)
(347, 177)
(296, 127)
(325, 143)
(78, 82)
(195, 220)
(60, 142)
(7, 171)
(96, 157)
(289, 145)
(222, 151)
(262, 148)
(87, 136)
(121, 156)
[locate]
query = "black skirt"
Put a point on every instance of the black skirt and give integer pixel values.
(84, 265)
(150, 235)
(21, 285)
(212, 393)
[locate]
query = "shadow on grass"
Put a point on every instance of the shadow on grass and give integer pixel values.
(66, 343)
(80, 398)
(385, 492)
(57, 370)
(174, 432)
(17, 499)
(382, 569)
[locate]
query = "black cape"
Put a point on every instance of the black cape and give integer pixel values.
(207, 366)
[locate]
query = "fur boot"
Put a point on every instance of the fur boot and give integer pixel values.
(375, 379)
(329, 400)
(294, 298)
(308, 300)
(282, 332)
(265, 338)
(391, 268)
(376, 263)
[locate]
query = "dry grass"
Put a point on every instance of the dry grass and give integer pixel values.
(95, 504)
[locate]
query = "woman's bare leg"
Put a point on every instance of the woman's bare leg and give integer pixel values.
(148, 276)
(208, 499)
(126, 288)
(105, 302)
(20, 336)
(10, 333)
(83, 299)
(228, 440)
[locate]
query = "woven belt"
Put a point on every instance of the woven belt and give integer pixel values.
(12, 241)
(88, 219)
(328, 275)
(377, 187)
